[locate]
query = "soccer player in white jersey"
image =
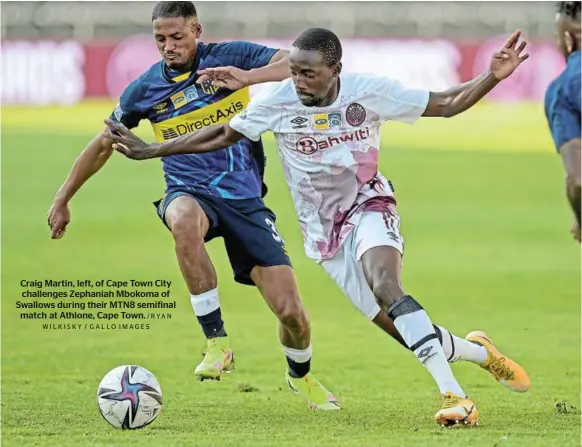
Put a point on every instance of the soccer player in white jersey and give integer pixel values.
(327, 127)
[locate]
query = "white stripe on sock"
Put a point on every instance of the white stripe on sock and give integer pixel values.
(205, 303)
(298, 355)
(463, 349)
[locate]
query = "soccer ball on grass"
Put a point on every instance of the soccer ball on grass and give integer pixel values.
(129, 397)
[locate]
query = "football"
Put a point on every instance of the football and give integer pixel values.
(129, 397)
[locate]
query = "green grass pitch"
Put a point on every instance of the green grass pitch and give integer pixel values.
(487, 247)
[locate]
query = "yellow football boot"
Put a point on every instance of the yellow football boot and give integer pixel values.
(218, 359)
(506, 371)
(457, 411)
(313, 392)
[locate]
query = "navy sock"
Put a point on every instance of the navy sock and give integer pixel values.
(212, 324)
(298, 370)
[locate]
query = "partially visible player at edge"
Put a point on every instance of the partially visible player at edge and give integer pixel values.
(327, 127)
(211, 195)
(562, 105)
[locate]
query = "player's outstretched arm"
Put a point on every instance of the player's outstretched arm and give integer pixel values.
(91, 160)
(276, 70)
(462, 97)
(235, 78)
(205, 140)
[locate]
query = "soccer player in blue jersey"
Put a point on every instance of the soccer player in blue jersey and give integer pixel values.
(211, 195)
(562, 104)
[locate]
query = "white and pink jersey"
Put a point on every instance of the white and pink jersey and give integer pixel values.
(330, 154)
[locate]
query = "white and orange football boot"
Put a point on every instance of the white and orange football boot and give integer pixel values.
(506, 371)
(457, 412)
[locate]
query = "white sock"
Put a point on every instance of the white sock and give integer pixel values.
(298, 355)
(418, 332)
(205, 303)
(457, 348)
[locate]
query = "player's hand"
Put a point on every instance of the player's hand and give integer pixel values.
(58, 217)
(231, 78)
(575, 230)
(509, 58)
(126, 142)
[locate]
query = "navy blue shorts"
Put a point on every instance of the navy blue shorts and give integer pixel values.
(247, 227)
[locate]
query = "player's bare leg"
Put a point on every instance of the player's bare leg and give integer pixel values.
(382, 266)
(279, 289)
(189, 225)
(387, 325)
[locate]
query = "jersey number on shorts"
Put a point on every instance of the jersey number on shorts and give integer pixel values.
(276, 234)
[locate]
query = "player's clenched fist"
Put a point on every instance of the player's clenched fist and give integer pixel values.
(58, 217)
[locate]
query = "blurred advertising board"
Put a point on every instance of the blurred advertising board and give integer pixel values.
(45, 72)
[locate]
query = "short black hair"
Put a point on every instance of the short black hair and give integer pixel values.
(165, 10)
(322, 40)
(570, 9)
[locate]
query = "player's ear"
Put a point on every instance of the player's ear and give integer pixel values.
(568, 41)
(337, 69)
(198, 30)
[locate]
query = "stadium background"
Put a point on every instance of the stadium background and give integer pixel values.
(483, 212)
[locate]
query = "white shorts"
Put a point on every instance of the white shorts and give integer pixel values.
(374, 229)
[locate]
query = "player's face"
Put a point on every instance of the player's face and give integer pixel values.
(314, 80)
(177, 39)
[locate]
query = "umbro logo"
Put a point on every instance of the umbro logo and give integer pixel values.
(299, 122)
(425, 354)
(393, 236)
